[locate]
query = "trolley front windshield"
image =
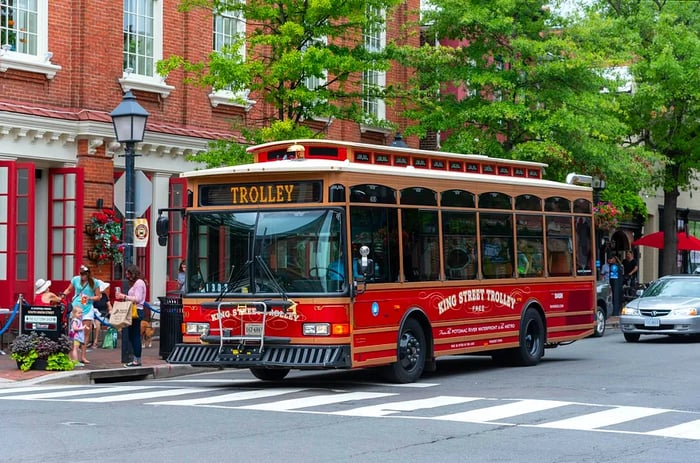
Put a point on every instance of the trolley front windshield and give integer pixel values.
(266, 253)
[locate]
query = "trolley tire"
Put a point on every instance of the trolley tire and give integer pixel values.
(632, 337)
(531, 348)
(599, 327)
(411, 354)
(270, 374)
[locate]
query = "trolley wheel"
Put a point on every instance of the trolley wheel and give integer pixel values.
(411, 353)
(531, 348)
(270, 374)
(632, 337)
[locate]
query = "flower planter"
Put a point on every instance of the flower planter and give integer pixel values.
(39, 364)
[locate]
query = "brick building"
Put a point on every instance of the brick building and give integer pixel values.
(62, 71)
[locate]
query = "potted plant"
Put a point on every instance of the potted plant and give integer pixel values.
(38, 352)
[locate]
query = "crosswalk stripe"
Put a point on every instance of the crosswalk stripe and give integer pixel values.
(689, 430)
(14, 390)
(405, 406)
(603, 418)
(499, 412)
(209, 380)
(233, 397)
(315, 401)
(141, 395)
(73, 392)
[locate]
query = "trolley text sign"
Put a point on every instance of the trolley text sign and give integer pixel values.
(259, 193)
(45, 320)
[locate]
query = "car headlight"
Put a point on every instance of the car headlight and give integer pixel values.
(685, 312)
(630, 311)
(197, 328)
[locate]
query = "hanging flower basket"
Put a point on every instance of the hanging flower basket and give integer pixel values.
(606, 216)
(90, 229)
(106, 229)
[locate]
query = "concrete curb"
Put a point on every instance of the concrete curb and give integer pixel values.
(109, 375)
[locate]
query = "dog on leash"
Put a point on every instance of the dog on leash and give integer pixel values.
(146, 334)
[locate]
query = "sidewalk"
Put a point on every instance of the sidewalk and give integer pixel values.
(105, 365)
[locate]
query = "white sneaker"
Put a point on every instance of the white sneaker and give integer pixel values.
(78, 364)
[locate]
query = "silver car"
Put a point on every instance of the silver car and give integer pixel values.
(670, 305)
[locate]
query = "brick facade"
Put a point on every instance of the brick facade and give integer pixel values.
(62, 120)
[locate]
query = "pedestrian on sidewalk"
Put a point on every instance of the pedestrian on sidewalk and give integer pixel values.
(76, 333)
(42, 295)
(136, 295)
(87, 291)
(103, 308)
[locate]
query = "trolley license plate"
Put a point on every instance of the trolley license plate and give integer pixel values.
(652, 322)
(253, 329)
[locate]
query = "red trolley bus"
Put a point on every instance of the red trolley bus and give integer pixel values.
(331, 255)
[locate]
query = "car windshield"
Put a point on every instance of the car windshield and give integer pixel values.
(674, 287)
(275, 252)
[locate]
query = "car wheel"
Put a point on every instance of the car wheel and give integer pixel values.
(411, 354)
(270, 374)
(599, 328)
(632, 337)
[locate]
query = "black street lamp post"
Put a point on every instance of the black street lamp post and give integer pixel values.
(129, 119)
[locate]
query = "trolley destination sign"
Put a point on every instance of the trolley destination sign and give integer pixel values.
(259, 193)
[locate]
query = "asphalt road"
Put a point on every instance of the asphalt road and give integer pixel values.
(596, 400)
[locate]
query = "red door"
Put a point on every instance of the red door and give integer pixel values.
(17, 231)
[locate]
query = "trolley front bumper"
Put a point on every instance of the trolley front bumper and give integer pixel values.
(303, 357)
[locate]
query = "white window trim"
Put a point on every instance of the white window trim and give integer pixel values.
(381, 77)
(39, 63)
(229, 98)
(155, 83)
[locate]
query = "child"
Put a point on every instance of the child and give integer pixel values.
(77, 334)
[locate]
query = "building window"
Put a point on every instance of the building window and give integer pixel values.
(139, 37)
(64, 216)
(24, 37)
(373, 81)
(142, 31)
(228, 35)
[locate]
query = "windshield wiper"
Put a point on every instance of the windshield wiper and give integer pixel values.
(268, 272)
(233, 277)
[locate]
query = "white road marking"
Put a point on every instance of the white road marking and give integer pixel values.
(233, 397)
(315, 401)
(141, 395)
(405, 406)
(603, 418)
(72, 393)
(499, 412)
(689, 430)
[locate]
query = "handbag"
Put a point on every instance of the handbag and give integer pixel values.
(110, 341)
(121, 315)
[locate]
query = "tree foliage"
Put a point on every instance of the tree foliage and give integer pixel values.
(660, 40)
(289, 43)
(525, 89)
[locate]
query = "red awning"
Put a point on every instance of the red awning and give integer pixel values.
(684, 241)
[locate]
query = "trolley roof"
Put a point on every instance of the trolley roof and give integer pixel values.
(348, 153)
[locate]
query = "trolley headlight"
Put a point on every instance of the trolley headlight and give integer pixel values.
(317, 329)
(197, 328)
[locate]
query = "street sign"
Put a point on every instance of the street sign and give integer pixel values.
(143, 194)
(140, 233)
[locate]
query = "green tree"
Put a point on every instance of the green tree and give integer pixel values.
(525, 90)
(660, 41)
(291, 43)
